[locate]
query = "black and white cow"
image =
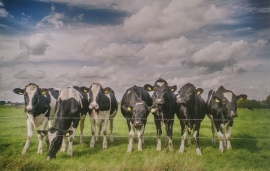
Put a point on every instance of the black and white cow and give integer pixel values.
(40, 108)
(71, 104)
(191, 112)
(163, 108)
(102, 108)
(222, 109)
(135, 107)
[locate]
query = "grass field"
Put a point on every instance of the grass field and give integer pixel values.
(250, 143)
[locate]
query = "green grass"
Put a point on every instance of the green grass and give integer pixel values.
(250, 143)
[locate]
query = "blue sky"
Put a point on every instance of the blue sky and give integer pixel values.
(58, 43)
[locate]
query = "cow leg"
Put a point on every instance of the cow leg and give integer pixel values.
(131, 136)
(104, 130)
(188, 131)
(169, 128)
(196, 137)
(70, 142)
(40, 137)
(159, 132)
(30, 128)
(223, 127)
(99, 130)
(212, 128)
(228, 137)
(111, 130)
(93, 130)
(140, 137)
(82, 127)
(183, 137)
(63, 146)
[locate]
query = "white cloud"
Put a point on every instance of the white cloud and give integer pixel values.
(54, 19)
(166, 51)
(30, 74)
(3, 13)
(36, 44)
(95, 72)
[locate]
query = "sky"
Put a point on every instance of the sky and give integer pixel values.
(120, 43)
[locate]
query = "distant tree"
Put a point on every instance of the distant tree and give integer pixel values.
(2, 102)
(268, 100)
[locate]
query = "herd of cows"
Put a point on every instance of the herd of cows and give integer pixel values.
(63, 110)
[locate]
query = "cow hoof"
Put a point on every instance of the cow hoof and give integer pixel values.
(23, 152)
(229, 148)
(198, 151)
(39, 152)
(158, 149)
(111, 139)
(62, 150)
(221, 151)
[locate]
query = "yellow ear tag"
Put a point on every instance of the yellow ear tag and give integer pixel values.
(172, 89)
(67, 134)
(216, 100)
(240, 99)
(106, 91)
(153, 110)
(149, 88)
(85, 90)
(128, 108)
(20, 93)
(199, 92)
(43, 92)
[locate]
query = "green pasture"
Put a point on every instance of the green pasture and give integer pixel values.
(250, 143)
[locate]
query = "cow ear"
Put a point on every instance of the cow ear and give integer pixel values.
(242, 97)
(199, 91)
(148, 87)
(43, 91)
(106, 90)
(42, 132)
(216, 99)
(173, 88)
(18, 91)
(84, 89)
(68, 133)
(127, 108)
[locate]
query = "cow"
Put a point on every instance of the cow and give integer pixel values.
(249, 108)
(135, 107)
(163, 108)
(103, 107)
(191, 111)
(39, 108)
(222, 109)
(71, 105)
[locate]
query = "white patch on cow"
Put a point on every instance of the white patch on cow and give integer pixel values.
(131, 136)
(228, 137)
(139, 103)
(195, 135)
(95, 89)
(52, 111)
(38, 120)
(128, 92)
(30, 90)
(51, 136)
(220, 137)
(160, 83)
(182, 145)
(71, 93)
(228, 96)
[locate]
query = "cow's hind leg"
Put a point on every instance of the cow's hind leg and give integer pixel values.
(82, 127)
(93, 130)
(111, 130)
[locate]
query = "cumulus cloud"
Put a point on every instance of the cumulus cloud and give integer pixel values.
(95, 72)
(161, 21)
(30, 74)
(218, 55)
(36, 44)
(166, 51)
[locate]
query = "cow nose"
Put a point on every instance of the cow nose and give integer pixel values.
(159, 101)
(28, 108)
(181, 100)
(233, 114)
(93, 106)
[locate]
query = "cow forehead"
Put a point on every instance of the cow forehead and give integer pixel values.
(31, 89)
(228, 96)
(95, 87)
(160, 83)
(51, 136)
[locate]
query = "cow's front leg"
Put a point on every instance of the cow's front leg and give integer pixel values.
(228, 137)
(169, 128)
(196, 137)
(99, 130)
(93, 130)
(104, 131)
(220, 137)
(30, 128)
(212, 128)
(131, 136)
(70, 142)
(159, 132)
(183, 137)
(140, 137)
(40, 137)
(111, 130)
(82, 119)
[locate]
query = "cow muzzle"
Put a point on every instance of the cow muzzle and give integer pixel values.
(233, 114)
(93, 106)
(159, 101)
(181, 100)
(137, 125)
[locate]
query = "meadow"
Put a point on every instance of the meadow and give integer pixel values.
(250, 143)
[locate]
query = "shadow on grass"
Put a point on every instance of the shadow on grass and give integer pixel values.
(245, 141)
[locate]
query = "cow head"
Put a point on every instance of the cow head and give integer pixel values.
(160, 89)
(54, 140)
(187, 93)
(31, 94)
(97, 94)
(225, 103)
(139, 111)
